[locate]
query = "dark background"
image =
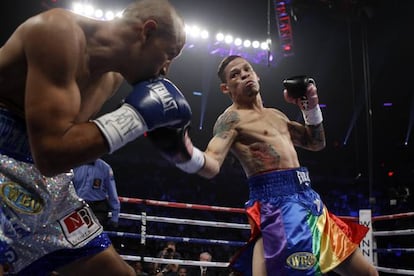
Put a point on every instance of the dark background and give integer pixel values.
(359, 52)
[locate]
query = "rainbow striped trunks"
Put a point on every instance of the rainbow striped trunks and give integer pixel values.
(300, 236)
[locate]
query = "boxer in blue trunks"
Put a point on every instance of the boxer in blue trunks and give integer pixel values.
(292, 232)
(56, 71)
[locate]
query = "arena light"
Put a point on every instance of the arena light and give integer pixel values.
(91, 11)
(223, 45)
(98, 13)
(77, 8)
(109, 15)
(255, 44)
(228, 39)
(88, 10)
(220, 37)
(247, 43)
(264, 46)
(238, 42)
(204, 34)
(194, 31)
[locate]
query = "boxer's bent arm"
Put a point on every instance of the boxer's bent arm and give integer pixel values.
(214, 158)
(52, 101)
(310, 137)
(219, 146)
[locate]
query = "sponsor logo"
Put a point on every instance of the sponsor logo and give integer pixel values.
(301, 260)
(163, 95)
(80, 226)
(77, 220)
(20, 199)
(303, 177)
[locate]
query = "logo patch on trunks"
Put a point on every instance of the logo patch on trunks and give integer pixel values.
(20, 199)
(301, 260)
(303, 177)
(79, 226)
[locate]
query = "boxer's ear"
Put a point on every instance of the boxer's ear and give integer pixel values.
(150, 26)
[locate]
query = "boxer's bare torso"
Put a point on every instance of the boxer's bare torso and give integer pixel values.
(262, 139)
(90, 87)
(58, 68)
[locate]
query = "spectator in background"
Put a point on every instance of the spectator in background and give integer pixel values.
(169, 252)
(139, 270)
(182, 271)
(204, 270)
(94, 182)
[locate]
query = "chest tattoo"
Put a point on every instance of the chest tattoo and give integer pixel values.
(264, 155)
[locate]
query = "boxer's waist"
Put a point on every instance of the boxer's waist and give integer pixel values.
(14, 141)
(277, 183)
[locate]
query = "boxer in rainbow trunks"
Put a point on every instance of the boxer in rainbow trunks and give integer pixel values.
(292, 233)
(300, 236)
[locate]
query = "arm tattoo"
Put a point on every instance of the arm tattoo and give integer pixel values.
(311, 137)
(225, 122)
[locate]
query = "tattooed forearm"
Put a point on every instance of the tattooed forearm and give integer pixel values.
(317, 136)
(309, 137)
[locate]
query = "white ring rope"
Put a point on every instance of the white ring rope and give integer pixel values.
(396, 249)
(174, 261)
(144, 219)
(394, 232)
(177, 239)
(395, 270)
(187, 221)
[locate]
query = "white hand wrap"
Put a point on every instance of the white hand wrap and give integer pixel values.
(121, 126)
(313, 116)
(194, 164)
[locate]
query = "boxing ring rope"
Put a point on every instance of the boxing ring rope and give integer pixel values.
(174, 261)
(143, 236)
(186, 221)
(393, 233)
(175, 239)
(181, 205)
(395, 216)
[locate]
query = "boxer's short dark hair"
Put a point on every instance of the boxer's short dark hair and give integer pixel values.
(223, 64)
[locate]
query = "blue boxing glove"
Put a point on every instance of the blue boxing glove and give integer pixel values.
(160, 103)
(151, 104)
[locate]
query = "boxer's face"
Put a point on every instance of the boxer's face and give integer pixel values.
(156, 59)
(242, 83)
(155, 56)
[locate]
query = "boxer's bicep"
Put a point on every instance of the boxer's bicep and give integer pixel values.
(52, 98)
(52, 103)
(51, 95)
(219, 146)
(51, 112)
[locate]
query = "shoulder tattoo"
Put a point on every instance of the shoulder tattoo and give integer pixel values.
(226, 122)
